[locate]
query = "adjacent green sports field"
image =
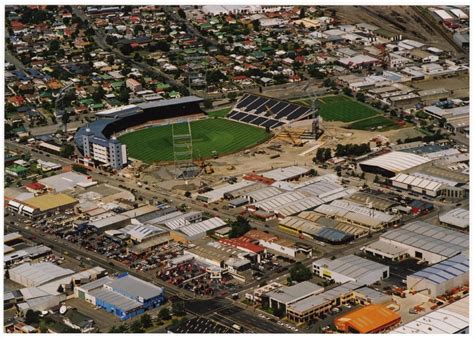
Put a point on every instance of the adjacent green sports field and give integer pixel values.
(345, 109)
(223, 136)
(219, 113)
(374, 122)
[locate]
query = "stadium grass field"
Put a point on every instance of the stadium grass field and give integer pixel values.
(345, 109)
(374, 122)
(155, 144)
(341, 108)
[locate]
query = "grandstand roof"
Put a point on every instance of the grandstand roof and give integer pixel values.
(396, 161)
(170, 102)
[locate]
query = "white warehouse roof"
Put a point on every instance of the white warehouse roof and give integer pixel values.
(450, 319)
(430, 238)
(37, 274)
(396, 161)
(418, 182)
(351, 266)
(458, 217)
(202, 227)
(283, 174)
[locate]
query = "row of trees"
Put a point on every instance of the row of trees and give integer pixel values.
(352, 149)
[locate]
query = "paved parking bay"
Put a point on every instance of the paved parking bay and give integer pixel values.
(103, 320)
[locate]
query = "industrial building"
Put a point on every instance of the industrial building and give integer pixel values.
(37, 206)
(392, 163)
(373, 318)
(424, 241)
(220, 192)
(428, 185)
(67, 181)
(282, 298)
(30, 275)
(458, 218)
(450, 319)
(351, 268)
(197, 230)
(125, 296)
(311, 308)
(441, 277)
(356, 214)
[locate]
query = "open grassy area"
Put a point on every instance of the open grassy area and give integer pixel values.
(224, 136)
(219, 113)
(373, 123)
(345, 109)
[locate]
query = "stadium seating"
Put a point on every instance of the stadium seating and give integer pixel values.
(267, 112)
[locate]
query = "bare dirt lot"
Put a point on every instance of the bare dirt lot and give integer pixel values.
(458, 84)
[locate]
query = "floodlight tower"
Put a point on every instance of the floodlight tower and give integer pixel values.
(182, 148)
(316, 125)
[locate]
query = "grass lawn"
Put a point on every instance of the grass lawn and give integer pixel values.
(224, 136)
(219, 113)
(374, 122)
(345, 109)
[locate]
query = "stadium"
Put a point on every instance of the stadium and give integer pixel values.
(148, 129)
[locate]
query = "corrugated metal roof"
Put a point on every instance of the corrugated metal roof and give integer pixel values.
(134, 287)
(396, 161)
(352, 266)
(202, 227)
(429, 237)
(446, 320)
(116, 299)
(445, 270)
(292, 293)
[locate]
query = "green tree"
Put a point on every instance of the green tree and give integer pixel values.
(32, 317)
(178, 308)
(164, 314)
(181, 13)
(79, 168)
(146, 321)
(126, 49)
(239, 227)
(98, 94)
(347, 91)
(124, 94)
(360, 97)
(54, 45)
(136, 327)
(300, 272)
(137, 57)
(67, 150)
